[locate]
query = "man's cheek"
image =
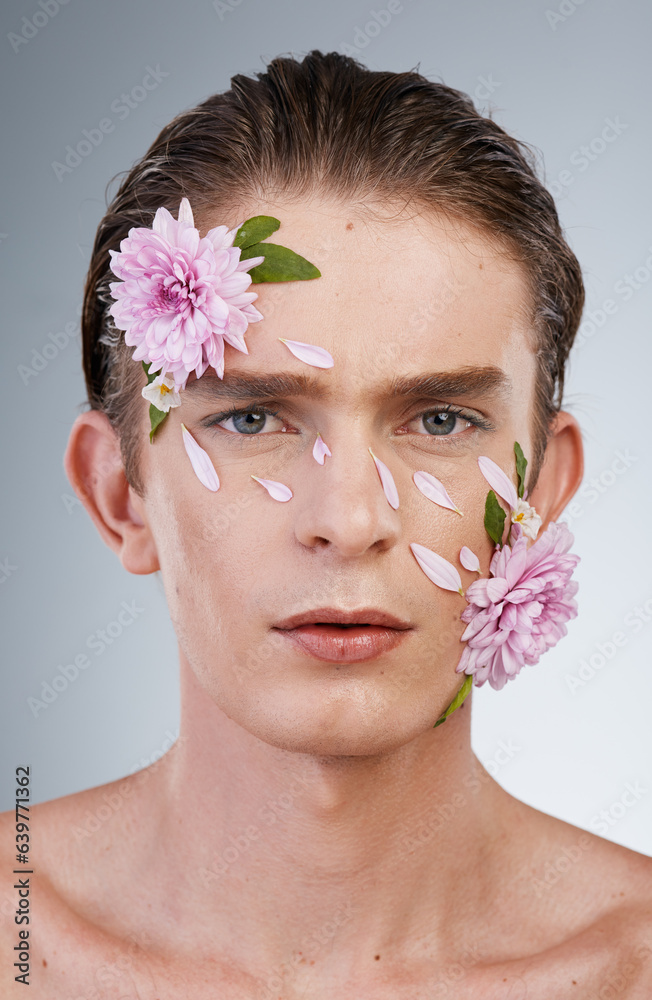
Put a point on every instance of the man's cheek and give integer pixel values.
(252, 659)
(227, 520)
(446, 532)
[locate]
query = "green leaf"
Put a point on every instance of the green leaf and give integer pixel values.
(457, 700)
(255, 229)
(521, 466)
(156, 418)
(494, 518)
(280, 264)
(152, 376)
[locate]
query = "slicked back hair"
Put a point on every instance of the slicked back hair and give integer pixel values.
(328, 124)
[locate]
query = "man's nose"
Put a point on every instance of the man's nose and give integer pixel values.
(343, 504)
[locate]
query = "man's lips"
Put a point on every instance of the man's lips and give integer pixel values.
(343, 616)
(326, 634)
(345, 644)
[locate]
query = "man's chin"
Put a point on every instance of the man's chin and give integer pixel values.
(348, 730)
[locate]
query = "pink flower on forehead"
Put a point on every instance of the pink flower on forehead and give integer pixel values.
(181, 296)
(521, 611)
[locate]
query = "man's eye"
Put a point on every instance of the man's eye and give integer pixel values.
(252, 422)
(441, 423)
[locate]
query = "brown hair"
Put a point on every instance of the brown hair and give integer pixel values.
(328, 123)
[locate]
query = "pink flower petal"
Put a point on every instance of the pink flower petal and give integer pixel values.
(477, 593)
(200, 461)
(320, 449)
(185, 212)
(434, 490)
(181, 295)
(312, 355)
(498, 481)
(387, 479)
(436, 568)
(469, 559)
(276, 490)
(496, 589)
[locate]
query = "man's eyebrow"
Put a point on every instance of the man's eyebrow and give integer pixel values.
(469, 381)
(262, 385)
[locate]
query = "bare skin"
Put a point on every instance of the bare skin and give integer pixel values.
(311, 834)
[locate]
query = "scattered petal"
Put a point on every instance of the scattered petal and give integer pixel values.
(200, 461)
(276, 490)
(387, 479)
(469, 559)
(437, 569)
(434, 490)
(312, 355)
(498, 481)
(320, 449)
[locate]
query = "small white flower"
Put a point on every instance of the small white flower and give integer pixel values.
(527, 517)
(161, 392)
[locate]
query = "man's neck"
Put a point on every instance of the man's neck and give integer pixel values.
(365, 854)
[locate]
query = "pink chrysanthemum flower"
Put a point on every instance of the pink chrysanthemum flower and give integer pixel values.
(182, 296)
(521, 611)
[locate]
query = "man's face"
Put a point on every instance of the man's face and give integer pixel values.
(399, 299)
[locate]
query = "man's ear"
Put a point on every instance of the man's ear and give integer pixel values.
(93, 464)
(562, 469)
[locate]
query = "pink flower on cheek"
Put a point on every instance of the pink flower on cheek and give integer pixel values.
(521, 611)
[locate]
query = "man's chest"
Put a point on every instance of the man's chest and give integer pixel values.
(94, 974)
(73, 960)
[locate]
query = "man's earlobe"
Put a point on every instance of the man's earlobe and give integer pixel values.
(93, 464)
(562, 469)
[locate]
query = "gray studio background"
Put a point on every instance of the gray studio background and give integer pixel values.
(570, 736)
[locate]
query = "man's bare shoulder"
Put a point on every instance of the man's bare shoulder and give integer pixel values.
(86, 830)
(564, 858)
(583, 903)
(574, 912)
(76, 831)
(79, 845)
